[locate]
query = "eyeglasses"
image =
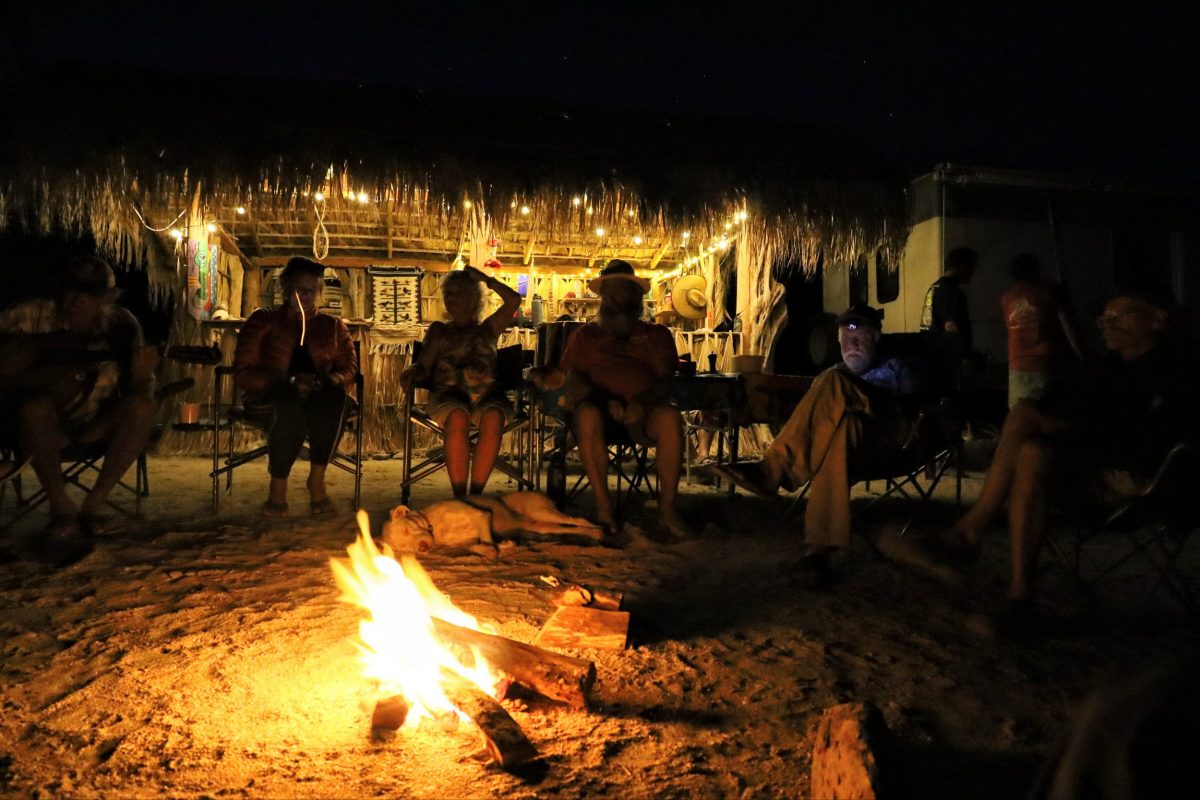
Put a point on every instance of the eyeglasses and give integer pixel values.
(1109, 317)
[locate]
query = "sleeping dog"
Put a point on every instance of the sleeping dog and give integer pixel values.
(473, 523)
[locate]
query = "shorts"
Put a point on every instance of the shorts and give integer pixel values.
(443, 401)
(1023, 385)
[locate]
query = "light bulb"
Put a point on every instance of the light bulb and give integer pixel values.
(319, 197)
(589, 210)
(637, 240)
(467, 204)
(176, 234)
(599, 231)
(576, 201)
(241, 210)
(362, 197)
(524, 211)
(210, 228)
(687, 235)
(728, 225)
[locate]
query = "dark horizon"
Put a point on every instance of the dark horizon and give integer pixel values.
(1068, 90)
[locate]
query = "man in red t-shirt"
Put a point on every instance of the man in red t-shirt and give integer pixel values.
(1041, 339)
(619, 374)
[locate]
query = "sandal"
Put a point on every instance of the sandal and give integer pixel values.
(274, 510)
(322, 507)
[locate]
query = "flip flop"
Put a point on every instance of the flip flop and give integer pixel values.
(274, 510)
(322, 507)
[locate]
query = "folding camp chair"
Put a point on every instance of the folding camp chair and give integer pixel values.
(1152, 527)
(510, 366)
(629, 461)
(81, 461)
(231, 416)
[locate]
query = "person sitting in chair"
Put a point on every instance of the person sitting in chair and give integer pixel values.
(294, 365)
(74, 371)
(458, 362)
(1097, 435)
(618, 373)
(863, 404)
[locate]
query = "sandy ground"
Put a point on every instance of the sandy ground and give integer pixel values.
(193, 655)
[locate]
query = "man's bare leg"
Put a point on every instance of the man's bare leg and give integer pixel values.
(1024, 422)
(589, 433)
(1027, 514)
(664, 426)
(128, 430)
(42, 437)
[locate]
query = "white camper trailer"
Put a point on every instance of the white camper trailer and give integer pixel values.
(1090, 235)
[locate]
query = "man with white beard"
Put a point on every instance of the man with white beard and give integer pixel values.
(618, 375)
(854, 407)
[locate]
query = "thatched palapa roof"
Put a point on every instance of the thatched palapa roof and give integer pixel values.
(411, 175)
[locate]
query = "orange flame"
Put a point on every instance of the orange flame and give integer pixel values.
(398, 645)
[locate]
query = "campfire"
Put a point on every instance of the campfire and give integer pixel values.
(433, 662)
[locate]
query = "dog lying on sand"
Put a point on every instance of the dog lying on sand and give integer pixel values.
(475, 522)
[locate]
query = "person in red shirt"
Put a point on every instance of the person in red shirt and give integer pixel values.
(1041, 338)
(618, 373)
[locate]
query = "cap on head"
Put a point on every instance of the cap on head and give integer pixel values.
(89, 275)
(861, 315)
(298, 266)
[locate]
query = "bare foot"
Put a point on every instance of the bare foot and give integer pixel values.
(674, 526)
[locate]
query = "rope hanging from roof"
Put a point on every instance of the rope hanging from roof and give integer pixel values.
(320, 239)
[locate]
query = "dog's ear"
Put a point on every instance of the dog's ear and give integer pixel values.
(399, 513)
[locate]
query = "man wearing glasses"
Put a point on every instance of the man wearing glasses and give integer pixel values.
(1097, 435)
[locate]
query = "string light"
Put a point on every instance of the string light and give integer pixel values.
(575, 201)
(599, 231)
(728, 225)
(211, 228)
(687, 235)
(524, 211)
(241, 210)
(362, 198)
(467, 204)
(319, 197)
(637, 240)
(589, 210)
(176, 234)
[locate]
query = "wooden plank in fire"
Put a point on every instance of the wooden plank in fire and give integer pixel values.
(505, 741)
(550, 674)
(573, 627)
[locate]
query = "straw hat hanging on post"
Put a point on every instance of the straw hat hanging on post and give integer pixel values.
(689, 296)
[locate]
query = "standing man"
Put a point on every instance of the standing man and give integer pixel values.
(1041, 338)
(618, 375)
(945, 309)
(74, 371)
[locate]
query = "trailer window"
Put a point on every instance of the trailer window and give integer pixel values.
(887, 279)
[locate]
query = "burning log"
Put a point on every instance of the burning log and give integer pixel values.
(389, 715)
(505, 741)
(550, 674)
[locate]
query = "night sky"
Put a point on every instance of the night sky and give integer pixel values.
(1072, 89)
